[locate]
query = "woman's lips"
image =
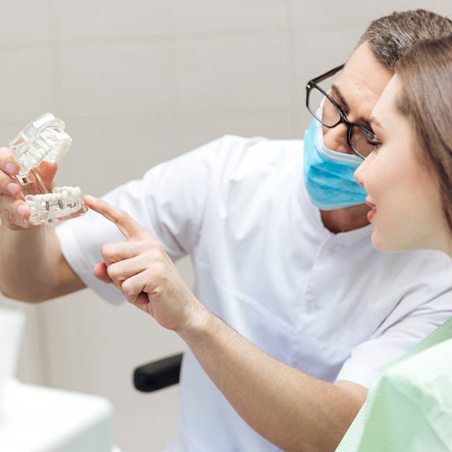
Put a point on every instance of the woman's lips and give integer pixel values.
(372, 212)
(370, 215)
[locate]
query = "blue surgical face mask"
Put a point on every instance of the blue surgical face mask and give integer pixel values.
(328, 174)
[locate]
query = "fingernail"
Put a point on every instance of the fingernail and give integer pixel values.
(12, 188)
(10, 168)
(22, 209)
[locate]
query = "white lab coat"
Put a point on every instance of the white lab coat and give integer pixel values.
(327, 304)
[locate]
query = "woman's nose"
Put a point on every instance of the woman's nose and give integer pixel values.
(359, 173)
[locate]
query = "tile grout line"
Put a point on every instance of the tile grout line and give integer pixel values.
(292, 69)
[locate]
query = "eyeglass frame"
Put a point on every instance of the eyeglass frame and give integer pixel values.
(313, 83)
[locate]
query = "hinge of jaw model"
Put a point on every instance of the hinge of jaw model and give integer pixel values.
(45, 140)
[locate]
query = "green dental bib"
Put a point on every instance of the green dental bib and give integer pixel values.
(409, 408)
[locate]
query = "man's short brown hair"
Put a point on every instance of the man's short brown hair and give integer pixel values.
(390, 37)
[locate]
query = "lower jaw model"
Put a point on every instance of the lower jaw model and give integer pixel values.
(45, 140)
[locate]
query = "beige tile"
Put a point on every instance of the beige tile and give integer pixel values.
(150, 424)
(324, 14)
(24, 21)
(115, 80)
(270, 123)
(202, 16)
(303, 119)
(123, 333)
(218, 74)
(437, 6)
(27, 85)
(93, 347)
(316, 52)
(82, 19)
(8, 132)
(110, 151)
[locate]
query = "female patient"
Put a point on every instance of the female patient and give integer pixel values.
(409, 175)
(409, 183)
(408, 178)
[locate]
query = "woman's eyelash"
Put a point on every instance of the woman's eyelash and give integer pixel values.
(374, 143)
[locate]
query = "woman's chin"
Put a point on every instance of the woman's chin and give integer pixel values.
(381, 243)
(388, 242)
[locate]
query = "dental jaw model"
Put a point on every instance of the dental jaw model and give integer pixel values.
(45, 140)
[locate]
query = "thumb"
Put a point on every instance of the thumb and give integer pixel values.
(100, 272)
(47, 171)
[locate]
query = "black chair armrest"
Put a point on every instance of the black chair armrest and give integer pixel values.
(158, 374)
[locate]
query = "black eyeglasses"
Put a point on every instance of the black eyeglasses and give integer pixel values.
(359, 138)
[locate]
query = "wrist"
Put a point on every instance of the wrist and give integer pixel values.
(196, 323)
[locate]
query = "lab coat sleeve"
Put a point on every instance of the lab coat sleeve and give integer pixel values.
(168, 201)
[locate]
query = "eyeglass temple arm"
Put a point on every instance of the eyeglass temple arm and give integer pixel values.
(331, 72)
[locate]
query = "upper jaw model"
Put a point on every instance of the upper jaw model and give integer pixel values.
(45, 140)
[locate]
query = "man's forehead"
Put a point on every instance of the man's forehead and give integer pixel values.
(362, 81)
(385, 111)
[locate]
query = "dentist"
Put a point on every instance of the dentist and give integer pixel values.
(293, 314)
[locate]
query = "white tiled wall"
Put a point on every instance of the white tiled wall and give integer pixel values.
(139, 82)
(110, 19)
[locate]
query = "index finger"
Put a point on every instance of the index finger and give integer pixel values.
(129, 228)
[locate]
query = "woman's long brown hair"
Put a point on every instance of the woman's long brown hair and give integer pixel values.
(425, 73)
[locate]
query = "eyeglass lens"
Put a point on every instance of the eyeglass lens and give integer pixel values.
(330, 116)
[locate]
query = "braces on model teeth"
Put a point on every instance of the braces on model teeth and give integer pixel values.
(45, 140)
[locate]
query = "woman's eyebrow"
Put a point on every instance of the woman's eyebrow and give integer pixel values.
(374, 122)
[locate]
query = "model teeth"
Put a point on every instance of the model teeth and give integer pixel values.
(49, 207)
(67, 195)
(45, 140)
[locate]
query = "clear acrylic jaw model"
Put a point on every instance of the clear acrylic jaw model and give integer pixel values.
(45, 140)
